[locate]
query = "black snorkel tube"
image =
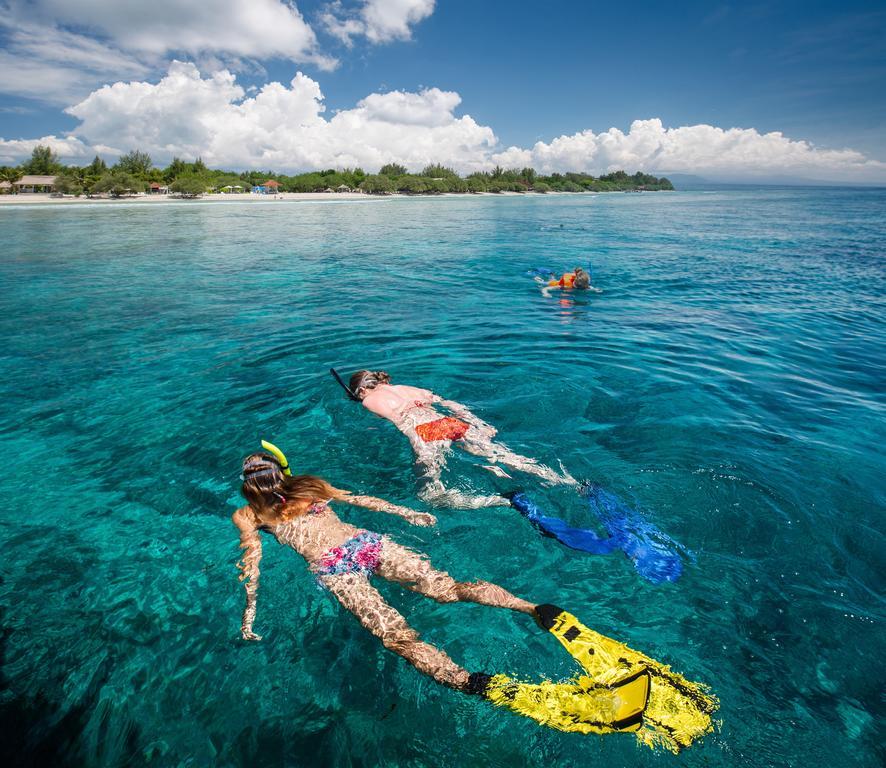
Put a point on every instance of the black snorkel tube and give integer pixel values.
(344, 386)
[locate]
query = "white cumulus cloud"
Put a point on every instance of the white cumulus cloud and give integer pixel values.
(286, 127)
(69, 147)
(257, 28)
(380, 21)
(733, 153)
(60, 50)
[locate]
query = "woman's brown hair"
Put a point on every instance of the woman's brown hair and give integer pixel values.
(268, 490)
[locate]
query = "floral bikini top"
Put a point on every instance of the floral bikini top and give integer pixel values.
(319, 507)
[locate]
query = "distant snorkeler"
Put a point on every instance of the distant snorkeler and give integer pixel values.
(621, 691)
(578, 280)
(431, 434)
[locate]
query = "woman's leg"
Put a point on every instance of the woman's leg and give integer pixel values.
(415, 572)
(356, 594)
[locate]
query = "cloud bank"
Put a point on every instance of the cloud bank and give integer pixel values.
(733, 153)
(285, 127)
(281, 127)
(58, 51)
(379, 21)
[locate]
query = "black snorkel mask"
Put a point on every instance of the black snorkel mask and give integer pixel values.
(344, 386)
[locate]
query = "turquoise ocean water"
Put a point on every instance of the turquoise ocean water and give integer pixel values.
(728, 382)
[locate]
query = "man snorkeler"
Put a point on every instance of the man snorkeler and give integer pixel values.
(431, 434)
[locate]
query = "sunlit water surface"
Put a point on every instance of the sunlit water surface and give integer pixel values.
(728, 382)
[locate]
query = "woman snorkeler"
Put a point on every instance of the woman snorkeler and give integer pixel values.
(296, 510)
(621, 690)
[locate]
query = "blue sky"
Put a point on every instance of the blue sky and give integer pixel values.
(813, 70)
(816, 72)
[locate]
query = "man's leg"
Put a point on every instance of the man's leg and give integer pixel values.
(434, 492)
(479, 445)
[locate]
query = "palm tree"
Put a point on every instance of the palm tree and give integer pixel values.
(11, 175)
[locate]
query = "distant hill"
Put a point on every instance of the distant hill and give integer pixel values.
(688, 181)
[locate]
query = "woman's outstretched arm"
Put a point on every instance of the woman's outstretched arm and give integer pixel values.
(250, 543)
(380, 505)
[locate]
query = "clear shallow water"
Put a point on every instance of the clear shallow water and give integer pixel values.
(729, 382)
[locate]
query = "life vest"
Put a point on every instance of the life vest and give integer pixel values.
(567, 281)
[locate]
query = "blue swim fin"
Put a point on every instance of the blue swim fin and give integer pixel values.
(655, 555)
(576, 538)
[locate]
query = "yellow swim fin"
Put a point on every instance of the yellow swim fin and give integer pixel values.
(580, 706)
(678, 711)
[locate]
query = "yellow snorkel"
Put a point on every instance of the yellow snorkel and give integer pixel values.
(281, 457)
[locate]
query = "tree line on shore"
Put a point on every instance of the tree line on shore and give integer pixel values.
(135, 171)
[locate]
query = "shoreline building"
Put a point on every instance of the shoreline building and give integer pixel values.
(269, 187)
(28, 185)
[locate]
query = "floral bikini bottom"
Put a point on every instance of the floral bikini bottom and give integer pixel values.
(361, 554)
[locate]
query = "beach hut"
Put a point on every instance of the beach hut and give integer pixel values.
(5, 188)
(269, 187)
(343, 188)
(34, 184)
(155, 188)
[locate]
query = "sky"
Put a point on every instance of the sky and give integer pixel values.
(730, 91)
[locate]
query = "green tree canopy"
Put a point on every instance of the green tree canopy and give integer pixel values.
(10, 175)
(412, 185)
(392, 170)
(476, 184)
(43, 162)
(438, 171)
(189, 185)
(97, 167)
(377, 185)
(117, 184)
(70, 181)
(175, 169)
(135, 163)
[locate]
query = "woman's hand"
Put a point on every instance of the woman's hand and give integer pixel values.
(248, 634)
(380, 505)
(423, 519)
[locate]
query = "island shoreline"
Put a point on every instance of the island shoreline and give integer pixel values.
(49, 199)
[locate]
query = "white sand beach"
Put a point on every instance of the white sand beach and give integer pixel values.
(41, 199)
